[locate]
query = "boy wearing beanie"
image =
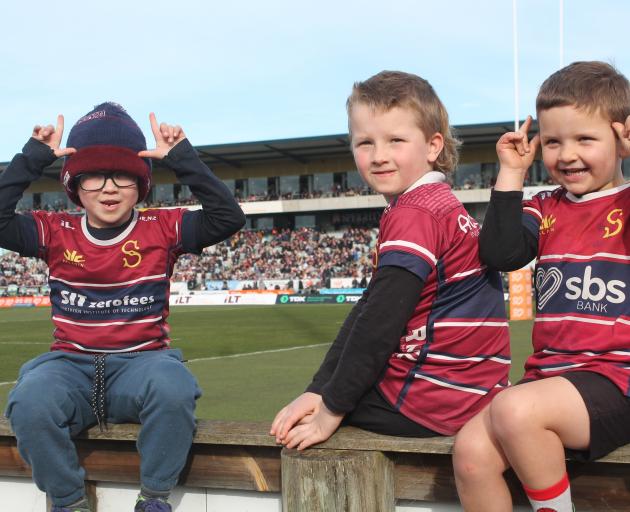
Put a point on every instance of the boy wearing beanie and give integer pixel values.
(109, 270)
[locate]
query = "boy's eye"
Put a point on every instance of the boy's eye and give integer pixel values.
(397, 139)
(550, 142)
(586, 138)
(364, 143)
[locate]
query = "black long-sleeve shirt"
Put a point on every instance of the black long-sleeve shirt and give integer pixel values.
(504, 242)
(219, 218)
(366, 340)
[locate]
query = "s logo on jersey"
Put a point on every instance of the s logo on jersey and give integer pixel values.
(614, 218)
(130, 248)
(73, 257)
(547, 224)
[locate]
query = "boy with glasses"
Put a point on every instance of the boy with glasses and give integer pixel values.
(109, 270)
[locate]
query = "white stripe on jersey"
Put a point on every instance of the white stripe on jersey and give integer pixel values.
(622, 257)
(560, 367)
(451, 386)
(109, 285)
(109, 351)
(105, 324)
(534, 211)
(466, 273)
(570, 318)
(471, 358)
(411, 245)
(470, 324)
(589, 353)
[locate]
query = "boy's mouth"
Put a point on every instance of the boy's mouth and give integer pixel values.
(110, 205)
(574, 172)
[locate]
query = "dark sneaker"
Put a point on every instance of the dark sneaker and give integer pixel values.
(151, 505)
(70, 509)
(81, 506)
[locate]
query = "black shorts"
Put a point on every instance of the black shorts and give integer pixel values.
(376, 414)
(608, 411)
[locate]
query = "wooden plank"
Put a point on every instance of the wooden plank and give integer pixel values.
(228, 433)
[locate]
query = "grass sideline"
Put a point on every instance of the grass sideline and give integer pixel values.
(249, 360)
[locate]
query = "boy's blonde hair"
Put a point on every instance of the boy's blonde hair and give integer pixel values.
(389, 89)
(590, 85)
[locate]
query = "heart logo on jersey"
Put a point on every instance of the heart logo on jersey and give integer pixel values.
(547, 284)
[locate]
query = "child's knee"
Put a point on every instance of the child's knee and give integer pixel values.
(473, 457)
(510, 415)
(173, 385)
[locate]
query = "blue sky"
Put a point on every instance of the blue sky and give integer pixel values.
(244, 70)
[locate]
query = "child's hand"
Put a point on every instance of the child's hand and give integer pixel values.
(516, 155)
(166, 136)
(52, 137)
(623, 132)
(296, 412)
(319, 427)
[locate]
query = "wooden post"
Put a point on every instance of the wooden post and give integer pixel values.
(337, 481)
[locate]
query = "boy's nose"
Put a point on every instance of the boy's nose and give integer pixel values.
(379, 156)
(567, 153)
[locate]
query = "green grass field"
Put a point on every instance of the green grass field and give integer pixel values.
(249, 360)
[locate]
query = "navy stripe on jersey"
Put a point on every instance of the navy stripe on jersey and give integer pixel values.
(474, 297)
(414, 264)
(582, 287)
(532, 224)
(100, 304)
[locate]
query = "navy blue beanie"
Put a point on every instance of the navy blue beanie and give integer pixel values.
(106, 139)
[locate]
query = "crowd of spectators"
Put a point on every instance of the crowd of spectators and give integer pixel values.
(302, 254)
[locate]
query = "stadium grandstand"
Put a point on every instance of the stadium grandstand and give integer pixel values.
(311, 221)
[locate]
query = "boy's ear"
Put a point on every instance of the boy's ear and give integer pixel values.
(436, 145)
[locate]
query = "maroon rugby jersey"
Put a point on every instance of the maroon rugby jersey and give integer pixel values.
(455, 354)
(110, 295)
(582, 271)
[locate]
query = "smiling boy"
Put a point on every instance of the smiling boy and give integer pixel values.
(109, 270)
(574, 394)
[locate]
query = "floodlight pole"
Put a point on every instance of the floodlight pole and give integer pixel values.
(515, 59)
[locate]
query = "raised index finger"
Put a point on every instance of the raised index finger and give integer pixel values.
(154, 126)
(59, 128)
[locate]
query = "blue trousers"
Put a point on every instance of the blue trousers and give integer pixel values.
(51, 403)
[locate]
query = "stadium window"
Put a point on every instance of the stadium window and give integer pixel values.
(163, 194)
(340, 182)
(306, 185)
(355, 183)
(289, 186)
(264, 223)
(323, 183)
(489, 173)
(467, 176)
(305, 221)
(54, 201)
(257, 187)
(272, 188)
(241, 189)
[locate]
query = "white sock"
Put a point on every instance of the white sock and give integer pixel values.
(556, 498)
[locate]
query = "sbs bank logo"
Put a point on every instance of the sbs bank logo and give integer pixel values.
(588, 291)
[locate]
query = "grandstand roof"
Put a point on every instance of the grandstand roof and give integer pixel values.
(305, 149)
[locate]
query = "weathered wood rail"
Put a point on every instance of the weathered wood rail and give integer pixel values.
(353, 471)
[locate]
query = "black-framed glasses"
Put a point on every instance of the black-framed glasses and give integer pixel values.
(95, 181)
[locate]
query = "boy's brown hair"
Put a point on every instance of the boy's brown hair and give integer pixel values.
(590, 85)
(389, 89)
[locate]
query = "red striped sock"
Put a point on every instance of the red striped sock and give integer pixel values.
(556, 498)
